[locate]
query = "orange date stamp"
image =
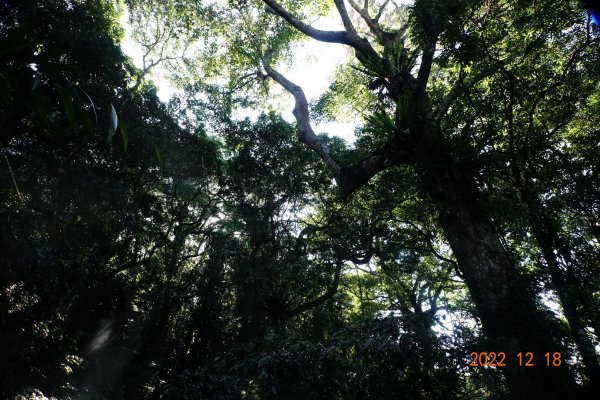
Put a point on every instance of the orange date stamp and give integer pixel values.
(523, 359)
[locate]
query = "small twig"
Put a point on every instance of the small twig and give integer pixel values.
(10, 171)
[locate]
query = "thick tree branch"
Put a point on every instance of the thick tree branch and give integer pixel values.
(321, 299)
(394, 152)
(347, 37)
(301, 113)
(380, 12)
(348, 26)
(425, 68)
(348, 178)
(371, 23)
(342, 37)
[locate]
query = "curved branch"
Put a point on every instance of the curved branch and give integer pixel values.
(341, 7)
(342, 37)
(348, 178)
(321, 299)
(371, 23)
(348, 37)
(306, 133)
(380, 12)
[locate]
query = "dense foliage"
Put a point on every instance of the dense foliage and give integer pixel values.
(178, 251)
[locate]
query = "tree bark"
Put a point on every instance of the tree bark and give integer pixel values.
(506, 307)
(546, 234)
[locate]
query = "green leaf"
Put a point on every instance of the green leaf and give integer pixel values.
(159, 156)
(114, 121)
(124, 135)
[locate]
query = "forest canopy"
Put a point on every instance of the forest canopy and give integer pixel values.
(209, 247)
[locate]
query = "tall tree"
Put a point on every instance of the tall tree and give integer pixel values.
(446, 51)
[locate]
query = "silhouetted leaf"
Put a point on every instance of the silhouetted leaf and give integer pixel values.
(124, 135)
(114, 121)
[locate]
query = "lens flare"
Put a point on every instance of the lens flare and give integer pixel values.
(595, 17)
(593, 8)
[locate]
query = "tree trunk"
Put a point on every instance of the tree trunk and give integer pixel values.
(506, 307)
(549, 240)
